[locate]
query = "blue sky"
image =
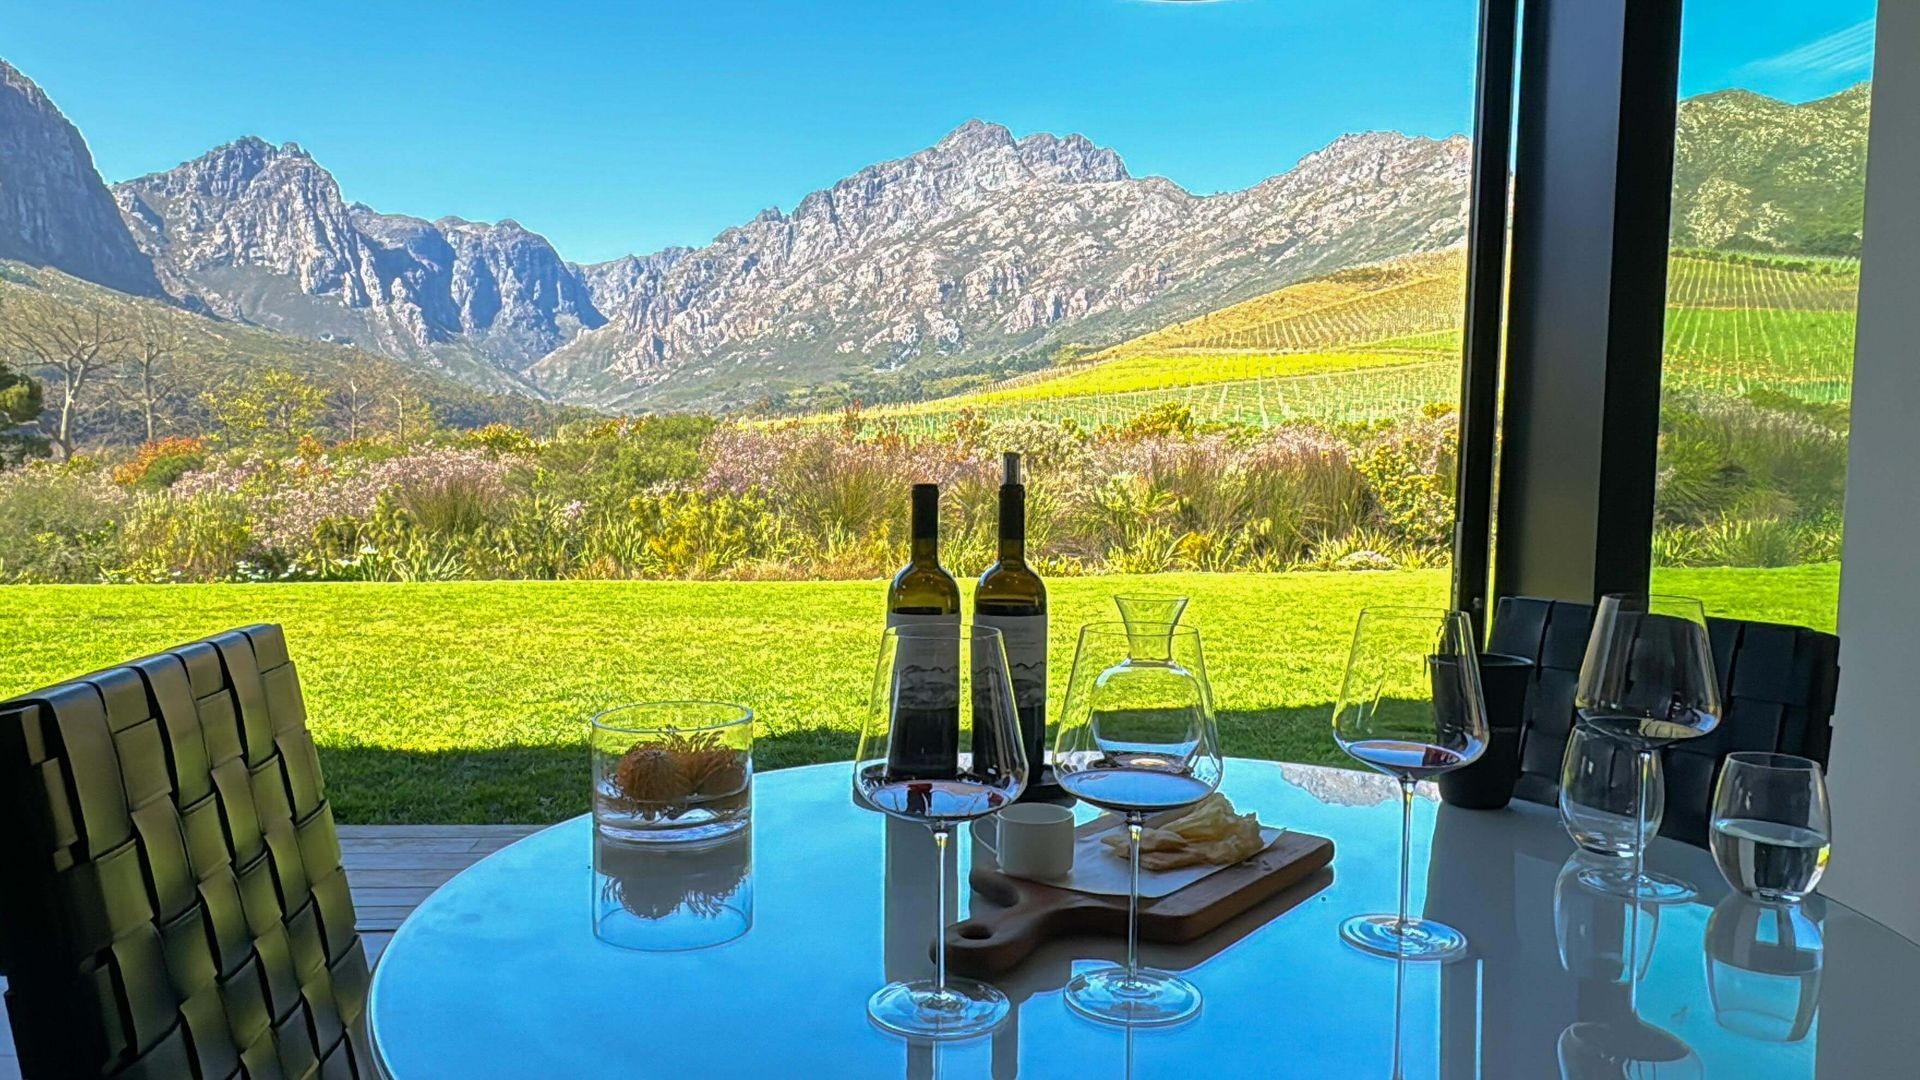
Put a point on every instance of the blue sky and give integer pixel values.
(618, 127)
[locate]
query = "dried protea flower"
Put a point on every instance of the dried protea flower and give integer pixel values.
(665, 776)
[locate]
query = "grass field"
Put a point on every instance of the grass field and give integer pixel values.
(467, 702)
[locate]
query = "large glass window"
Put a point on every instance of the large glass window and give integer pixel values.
(1769, 179)
(605, 373)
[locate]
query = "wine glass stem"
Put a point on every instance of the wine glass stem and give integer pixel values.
(1644, 759)
(1134, 821)
(940, 909)
(1406, 852)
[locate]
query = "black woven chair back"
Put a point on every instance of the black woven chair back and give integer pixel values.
(1776, 682)
(172, 902)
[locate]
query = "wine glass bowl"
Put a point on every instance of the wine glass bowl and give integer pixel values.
(940, 744)
(1410, 706)
(1648, 678)
(1137, 736)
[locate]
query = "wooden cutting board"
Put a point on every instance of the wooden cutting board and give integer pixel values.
(1021, 914)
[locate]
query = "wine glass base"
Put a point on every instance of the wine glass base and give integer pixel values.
(1653, 888)
(1415, 939)
(1148, 997)
(919, 1010)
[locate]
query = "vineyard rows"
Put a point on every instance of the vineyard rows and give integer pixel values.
(1380, 342)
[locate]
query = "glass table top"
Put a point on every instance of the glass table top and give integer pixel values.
(756, 959)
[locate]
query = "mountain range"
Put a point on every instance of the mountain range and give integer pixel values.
(982, 248)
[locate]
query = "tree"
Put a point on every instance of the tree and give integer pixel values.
(270, 409)
(76, 346)
(20, 404)
(352, 405)
(155, 342)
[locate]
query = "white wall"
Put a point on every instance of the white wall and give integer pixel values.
(1875, 774)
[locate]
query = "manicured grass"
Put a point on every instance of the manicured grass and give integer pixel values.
(467, 701)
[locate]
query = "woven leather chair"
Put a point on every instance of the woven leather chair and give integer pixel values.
(1776, 684)
(172, 902)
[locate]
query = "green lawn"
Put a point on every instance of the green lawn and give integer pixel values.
(468, 701)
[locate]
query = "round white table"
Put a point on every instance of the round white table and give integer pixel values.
(501, 972)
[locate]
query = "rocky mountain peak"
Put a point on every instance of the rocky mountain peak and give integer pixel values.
(54, 210)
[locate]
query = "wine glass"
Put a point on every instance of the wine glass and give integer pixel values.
(938, 687)
(1137, 736)
(1411, 707)
(1648, 680)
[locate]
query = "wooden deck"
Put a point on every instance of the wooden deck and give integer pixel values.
(391, 869)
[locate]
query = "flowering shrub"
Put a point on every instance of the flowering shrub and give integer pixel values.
(690, 497)
(156, 465)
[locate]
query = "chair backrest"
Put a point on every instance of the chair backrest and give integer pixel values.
(172, 901)
(1776, 682)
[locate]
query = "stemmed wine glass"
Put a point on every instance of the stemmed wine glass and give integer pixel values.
(1410, 707)
(1648, 680)
(940, 745)
(1137, 736)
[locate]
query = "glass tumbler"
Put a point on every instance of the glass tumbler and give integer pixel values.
(1603, 792)
(672, 771)
(1771, 828)
(1612, 799)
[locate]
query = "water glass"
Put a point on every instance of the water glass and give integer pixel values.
(672, 771)
(1771, 826)
(1607, 801)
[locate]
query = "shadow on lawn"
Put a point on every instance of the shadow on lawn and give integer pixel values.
(382, 786)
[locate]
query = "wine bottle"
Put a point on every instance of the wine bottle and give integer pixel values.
(1013, 599)
(928, 672)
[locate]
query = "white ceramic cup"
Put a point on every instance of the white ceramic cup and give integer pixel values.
(1036, 840)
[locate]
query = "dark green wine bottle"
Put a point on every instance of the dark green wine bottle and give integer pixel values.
(926, 741)
(1013, 599)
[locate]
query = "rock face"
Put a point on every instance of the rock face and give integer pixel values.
(984, 244)
(54, 211)
(262, 234)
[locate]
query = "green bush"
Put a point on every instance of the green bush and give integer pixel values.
(204, 538)
(59, 523)
(1409, 471)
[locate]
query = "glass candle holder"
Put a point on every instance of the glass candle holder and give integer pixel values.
(672, 771)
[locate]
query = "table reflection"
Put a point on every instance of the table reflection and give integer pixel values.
(1763, 967)
(672, 897)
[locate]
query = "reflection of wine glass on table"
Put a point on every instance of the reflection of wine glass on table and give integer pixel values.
(1411, 707)
(1136, 737)
(936, 688)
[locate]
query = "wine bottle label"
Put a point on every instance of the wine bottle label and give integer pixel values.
(1025, 638)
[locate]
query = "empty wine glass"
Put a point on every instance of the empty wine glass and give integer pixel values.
(1648, 680)
(938, 688)
(1771, 827)
(1411, 707)
(1137, 736)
